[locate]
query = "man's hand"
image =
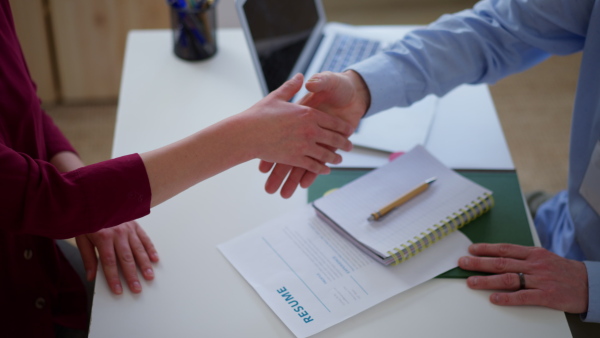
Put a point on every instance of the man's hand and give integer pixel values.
(550, 280)
(125, 245)
(294, 134)
(340, 94)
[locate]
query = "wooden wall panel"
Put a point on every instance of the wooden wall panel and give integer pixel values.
(90, 38)
(29, 17)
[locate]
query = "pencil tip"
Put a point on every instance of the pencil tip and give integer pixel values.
(431, 180)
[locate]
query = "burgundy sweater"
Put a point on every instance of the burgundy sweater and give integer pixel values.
(38, 204)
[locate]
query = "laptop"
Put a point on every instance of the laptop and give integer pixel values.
(289, 37)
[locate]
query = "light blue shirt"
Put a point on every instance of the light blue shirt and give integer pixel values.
(482, 45)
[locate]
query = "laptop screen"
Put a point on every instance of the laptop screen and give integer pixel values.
(279, 30)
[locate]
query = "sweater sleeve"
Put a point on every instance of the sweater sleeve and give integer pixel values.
(37, 199)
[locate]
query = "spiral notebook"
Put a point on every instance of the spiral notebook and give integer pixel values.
(448, 204)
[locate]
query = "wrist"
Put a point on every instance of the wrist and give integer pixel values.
(66, 161)
(235, 135)
(363, 95)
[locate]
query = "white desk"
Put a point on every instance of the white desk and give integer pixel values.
(196, 292)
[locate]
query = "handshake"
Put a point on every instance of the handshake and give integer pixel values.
(343, 96)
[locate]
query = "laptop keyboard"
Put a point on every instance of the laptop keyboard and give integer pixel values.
(347, 50)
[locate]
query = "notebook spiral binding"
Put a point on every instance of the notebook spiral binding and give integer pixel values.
(443, 228)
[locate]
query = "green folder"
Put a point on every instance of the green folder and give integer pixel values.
(506, 222)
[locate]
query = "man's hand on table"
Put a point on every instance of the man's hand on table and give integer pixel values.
(550, 280)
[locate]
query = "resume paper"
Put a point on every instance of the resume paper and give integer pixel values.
(313, 278)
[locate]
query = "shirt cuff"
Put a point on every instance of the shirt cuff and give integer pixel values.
(593, 313)
(385, 88)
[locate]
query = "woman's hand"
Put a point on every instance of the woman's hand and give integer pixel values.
(344, 95)
(125, 245)
(293, 134)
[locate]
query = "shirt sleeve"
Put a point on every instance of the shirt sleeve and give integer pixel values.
(593, 313)
(480, 45)
(37, 199)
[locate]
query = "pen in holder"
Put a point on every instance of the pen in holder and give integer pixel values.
(194, 25)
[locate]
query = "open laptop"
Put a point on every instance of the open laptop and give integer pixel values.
(289, 37)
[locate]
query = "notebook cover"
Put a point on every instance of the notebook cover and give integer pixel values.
(506, 222)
